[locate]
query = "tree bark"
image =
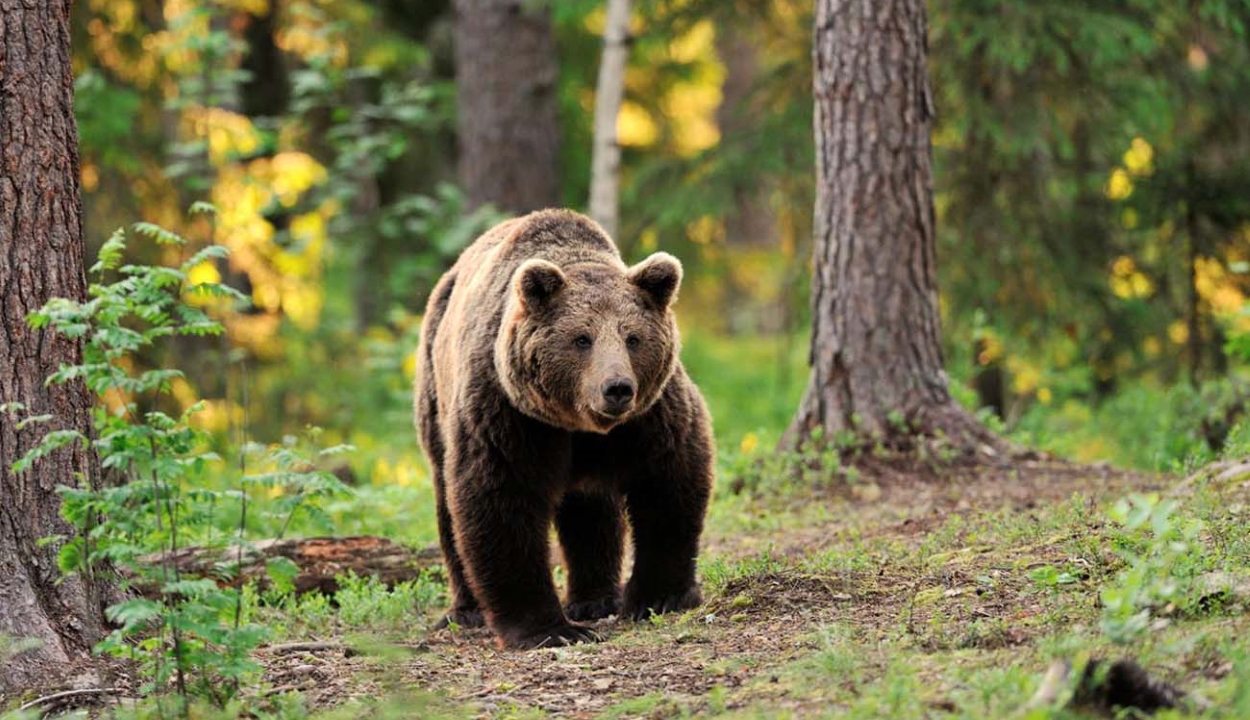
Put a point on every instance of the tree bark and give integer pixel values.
(41, 256)
(506, 77)
(875, 351)
(605, 164)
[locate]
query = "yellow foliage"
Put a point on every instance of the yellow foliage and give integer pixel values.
(252, 7)
(1127, 281)
(1138, 158)
(703, 230)
(750, 442)
(258, 333)
(286, 278)
(205, 272)
(1178, 332)
(90, 177)
(635, 127)
(218, 416)
(401, 472)
(1025, 376)
(409, 367)
(1119, 186)
(1197, 58)
(291, 174)
(1216, 286)
(991, 349)
(691, 108)
(229, 134)
(649, 240)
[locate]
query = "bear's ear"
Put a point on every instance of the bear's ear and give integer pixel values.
(659, 276)
(537, 282)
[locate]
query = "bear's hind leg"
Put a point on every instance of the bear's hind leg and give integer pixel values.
(590, 530)
(464, 607)
(465, 611)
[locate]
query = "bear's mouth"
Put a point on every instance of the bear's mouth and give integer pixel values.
(606, 419)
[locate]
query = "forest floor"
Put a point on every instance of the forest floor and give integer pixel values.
(896, 598)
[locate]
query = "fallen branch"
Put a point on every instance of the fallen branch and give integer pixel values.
(320, 561)
(55, 700)
(295, 647)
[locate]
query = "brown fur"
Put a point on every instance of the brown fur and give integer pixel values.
(550, 388)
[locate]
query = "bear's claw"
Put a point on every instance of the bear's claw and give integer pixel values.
(637, 608)
(596, 609)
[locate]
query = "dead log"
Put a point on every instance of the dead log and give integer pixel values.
(320, 562)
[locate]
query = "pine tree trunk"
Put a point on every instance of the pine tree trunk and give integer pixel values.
(506, 77)
(875, 351)
(41, 254)
(750, 222)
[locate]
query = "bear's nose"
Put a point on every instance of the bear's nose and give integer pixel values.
(619, 393)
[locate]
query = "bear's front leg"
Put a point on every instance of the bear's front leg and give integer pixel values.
(501, 521)
(590, 529)
(666, 515)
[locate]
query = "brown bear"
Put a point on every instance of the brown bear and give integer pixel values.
(549, 387)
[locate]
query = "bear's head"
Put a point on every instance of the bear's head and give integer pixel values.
(587, 346)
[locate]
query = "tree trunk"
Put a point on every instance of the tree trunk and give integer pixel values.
(506, 102)
(267, 91)
(41, 256)
(750, 222)
(875, 350)
(605, 164)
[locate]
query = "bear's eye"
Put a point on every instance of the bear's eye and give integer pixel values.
(583, 341)
(632, 342)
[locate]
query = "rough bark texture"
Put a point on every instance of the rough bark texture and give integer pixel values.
(320, 561)
(41, 254)
(605, 165)
(506, 102)
(875, 351)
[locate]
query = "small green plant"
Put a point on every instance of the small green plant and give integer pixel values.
(1162, 553)
(1049, 576)
(367, 601)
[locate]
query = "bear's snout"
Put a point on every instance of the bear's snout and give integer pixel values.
(618, 395)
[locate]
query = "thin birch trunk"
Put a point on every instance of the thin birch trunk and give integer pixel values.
(605, 178)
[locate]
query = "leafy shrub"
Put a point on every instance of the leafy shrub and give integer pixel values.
(196, 636)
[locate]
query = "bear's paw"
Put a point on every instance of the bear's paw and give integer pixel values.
(641, 606)
(595, 609)
(556, 636)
